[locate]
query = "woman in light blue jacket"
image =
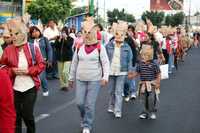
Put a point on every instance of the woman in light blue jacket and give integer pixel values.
(37, 38)
(120, 57)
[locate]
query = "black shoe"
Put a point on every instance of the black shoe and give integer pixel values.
(50, 78)
(64, 89)
(55, 77)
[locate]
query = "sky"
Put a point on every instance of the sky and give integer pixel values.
(136, 7)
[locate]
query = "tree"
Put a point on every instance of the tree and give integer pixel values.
(115, 15)
(168, 20)
(175, 19)
(197, 13)
(155, 17)
(50, 9)
(178, 18)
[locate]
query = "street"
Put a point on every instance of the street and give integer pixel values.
(178, 111)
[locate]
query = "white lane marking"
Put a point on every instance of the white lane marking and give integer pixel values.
(41, 117)
(54, 111)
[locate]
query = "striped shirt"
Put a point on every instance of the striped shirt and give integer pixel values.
(148, 71)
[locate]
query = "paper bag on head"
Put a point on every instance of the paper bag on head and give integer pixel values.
(150, 28)
(147, 53)
(88, 24)
(90, 31)
(164, 30)
(140, 26)
(17, 30)
(26, 18)
(119, 30)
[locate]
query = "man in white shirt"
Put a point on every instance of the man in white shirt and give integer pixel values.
(52, 33)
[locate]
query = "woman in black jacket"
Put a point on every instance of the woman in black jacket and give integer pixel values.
(64, 53)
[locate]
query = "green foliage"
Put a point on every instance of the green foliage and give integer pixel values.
(197, 13)
(168, 20)
(115, 15)
(50, 9)
(155, 17)
(78, 10)
(175, 19)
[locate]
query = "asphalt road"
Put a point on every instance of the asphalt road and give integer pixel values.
(179, 110)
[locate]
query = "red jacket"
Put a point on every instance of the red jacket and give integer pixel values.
(10, 58)
(7, 109)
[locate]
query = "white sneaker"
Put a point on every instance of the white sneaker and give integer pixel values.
(143, 116)
(110, 110)
(86, 130)
(170, 72)
(46, 94)
(118, 115)
(127, 99)
(153, 116)
(133, 96)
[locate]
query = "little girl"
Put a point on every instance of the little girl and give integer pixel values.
(149, 85)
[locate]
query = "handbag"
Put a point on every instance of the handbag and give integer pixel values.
(164, 71)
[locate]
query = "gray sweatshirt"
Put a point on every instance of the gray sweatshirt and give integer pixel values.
(88, 67)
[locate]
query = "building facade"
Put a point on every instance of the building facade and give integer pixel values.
(12, 8)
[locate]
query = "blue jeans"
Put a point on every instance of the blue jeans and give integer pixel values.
(53, 71)
(86, 96)
(115, 87)
(44, 83)
(130, 87)
(170, 62)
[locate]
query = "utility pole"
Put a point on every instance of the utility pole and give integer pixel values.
(13, 6)
(23, 7)
(97, 11)
(189, 12)
(91, 7)
(104, 13)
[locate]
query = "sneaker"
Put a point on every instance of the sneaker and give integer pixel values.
(64, 89)
(46, 94)
(86, 130)
(133, 96)
(127, 99)
(123, 95)
(118, 115)
(56, 77)
(153, 116)
(110, 110)
(143, 116)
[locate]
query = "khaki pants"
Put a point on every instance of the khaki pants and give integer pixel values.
(63, 70)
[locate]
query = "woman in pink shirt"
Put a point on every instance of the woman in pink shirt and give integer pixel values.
(78, 40)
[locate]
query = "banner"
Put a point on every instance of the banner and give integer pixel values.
(166, 5)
